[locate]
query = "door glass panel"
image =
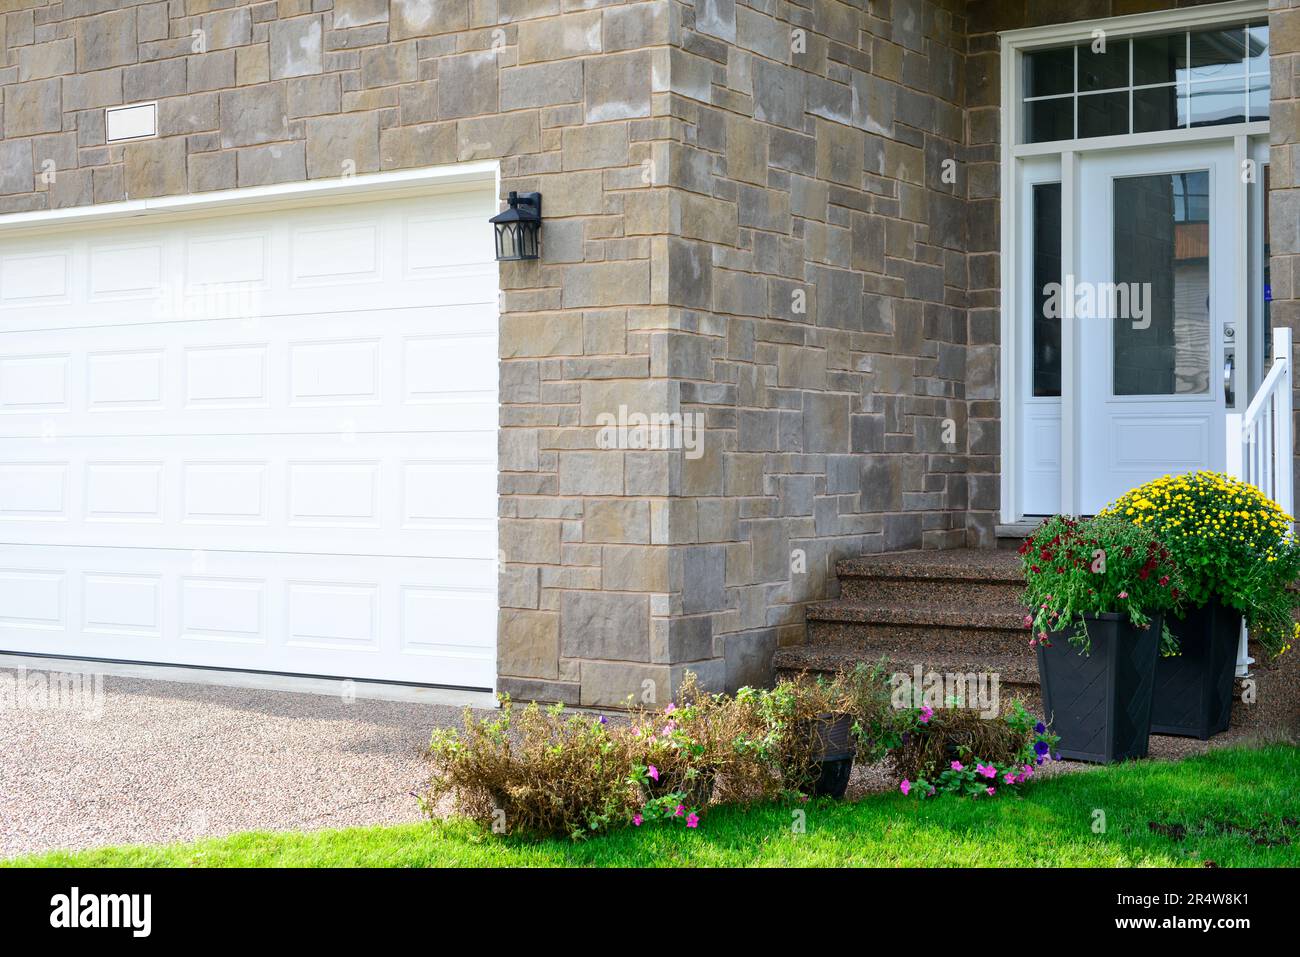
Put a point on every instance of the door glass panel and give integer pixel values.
(1049, 120)
(1161, 317)
(1213, 104)
(1105, 68)
(1047, 276)
(1155, 108)
(1158, 59)
(1176, 81)
(1049, 72)
(1218, 54)
(1103, 114)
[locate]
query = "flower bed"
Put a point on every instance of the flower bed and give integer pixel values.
(541, 772)
(955, 751)
(1230, 541)
(1076, 569)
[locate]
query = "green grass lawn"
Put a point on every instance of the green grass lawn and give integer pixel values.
(1233, 807)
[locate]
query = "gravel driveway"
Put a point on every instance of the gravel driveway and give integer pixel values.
(171, 762)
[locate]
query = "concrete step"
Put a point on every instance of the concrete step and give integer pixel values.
(1016, 675)
(969, 576)
(923, 628)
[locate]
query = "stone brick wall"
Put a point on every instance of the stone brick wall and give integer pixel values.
(1284, 174)
(819, 284)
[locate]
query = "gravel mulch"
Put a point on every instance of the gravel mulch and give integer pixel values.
(171, 762)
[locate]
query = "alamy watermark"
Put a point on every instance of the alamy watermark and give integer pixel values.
(655, 431)
(23, 690)
(920, 688)
(1074, 299)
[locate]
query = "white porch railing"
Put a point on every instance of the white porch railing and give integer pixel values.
(1260, 445)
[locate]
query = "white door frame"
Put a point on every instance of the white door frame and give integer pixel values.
(1013, 383)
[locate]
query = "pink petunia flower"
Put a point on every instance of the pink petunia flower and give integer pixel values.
(670, 709)
(905, 786)
(958, 766)
(692, 820)
(652, 772)
(988, 770)
(1009, 778)
(1123, 594)
(681, 809)
(991, 791)
(926, 713)
(637, 819)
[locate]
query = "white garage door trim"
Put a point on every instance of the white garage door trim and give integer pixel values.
(343, 565)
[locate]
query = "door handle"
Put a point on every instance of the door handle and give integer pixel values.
(1228, 397)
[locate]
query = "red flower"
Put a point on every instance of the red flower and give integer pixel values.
(1144, 573)
(1164, 579)
(1035, 569)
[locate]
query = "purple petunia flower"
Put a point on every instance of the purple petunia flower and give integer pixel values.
(1041, 748)
(1040, 728)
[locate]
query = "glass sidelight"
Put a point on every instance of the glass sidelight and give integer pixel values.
(1161, 302)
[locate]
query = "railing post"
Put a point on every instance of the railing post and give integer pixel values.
(1283, 439)
(1234, 466)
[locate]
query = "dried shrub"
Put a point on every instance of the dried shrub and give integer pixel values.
(534, 771)
(700, 747)
(954, 734)
(793, 710)
(542, 772)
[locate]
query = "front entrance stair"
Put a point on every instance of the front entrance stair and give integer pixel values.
(951, 612)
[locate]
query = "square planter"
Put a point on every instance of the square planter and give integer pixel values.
(1100, 703)
(1193, 692)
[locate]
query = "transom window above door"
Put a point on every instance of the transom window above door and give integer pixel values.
(1112, 86)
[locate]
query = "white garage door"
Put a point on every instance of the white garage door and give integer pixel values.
(264, 441)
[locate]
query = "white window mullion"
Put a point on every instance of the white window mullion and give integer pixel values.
(1069, 332)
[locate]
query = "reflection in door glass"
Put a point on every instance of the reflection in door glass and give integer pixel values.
(1162, 276)
(1047, 272)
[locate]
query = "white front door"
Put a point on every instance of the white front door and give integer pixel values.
(263, 441)
(1154, 306)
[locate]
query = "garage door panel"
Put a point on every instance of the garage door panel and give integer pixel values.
(265, 442)
(347, 258)
(363, 494)
(379, 618)
(417, 370)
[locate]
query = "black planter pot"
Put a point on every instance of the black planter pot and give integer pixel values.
(835, 748)
(1193, 693)
(1100, 703)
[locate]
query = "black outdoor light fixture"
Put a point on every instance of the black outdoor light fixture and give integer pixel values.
(519, 228)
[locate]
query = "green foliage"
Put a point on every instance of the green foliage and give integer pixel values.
(958, 751)
(1103, 565)
(1230, 541)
